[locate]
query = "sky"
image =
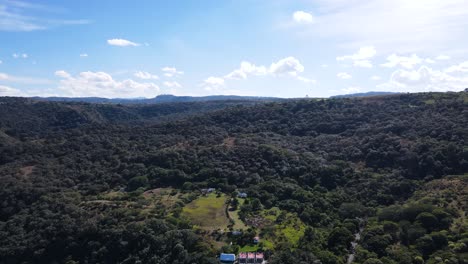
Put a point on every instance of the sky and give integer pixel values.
(281, 48)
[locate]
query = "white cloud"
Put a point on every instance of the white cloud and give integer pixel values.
(122, 43)
(405, 62)
(361, 58)
(376, 78)
(145, 75)
(214, 81)
(8, 91)
(1, 62)
(3, 76)
(23, 16)
(462, 67)
(17, 56)
(363, 63)
(351, 89)
(364, 53)
(306, 80)
(443, 57)
(25, 80)
(423, 80)
(83, 55)
(302, 17)
(62, 74)
(172, 84)
(405, 26)
(289, 65)
(103, 85)
(344, 75)
(247, 68)
(430, 61)
(171, 72)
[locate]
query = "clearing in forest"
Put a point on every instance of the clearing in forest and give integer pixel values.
(208, 212)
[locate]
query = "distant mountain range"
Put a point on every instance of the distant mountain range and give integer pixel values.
(168, 98)
(165, 98)
(363, 94)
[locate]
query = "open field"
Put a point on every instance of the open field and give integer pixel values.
(208, 212)
(238, 223)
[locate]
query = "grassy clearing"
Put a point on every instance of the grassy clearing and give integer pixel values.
(293, 231)
(249, 248)
(284, 227)
(238, 223)
(208, 212)
(159, 201)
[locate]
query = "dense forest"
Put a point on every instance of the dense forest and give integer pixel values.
(110, 183)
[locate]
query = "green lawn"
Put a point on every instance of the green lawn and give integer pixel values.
(249, 248)
(208, 212)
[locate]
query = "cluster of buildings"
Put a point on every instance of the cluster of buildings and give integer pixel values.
(251, 257)
(243, 258)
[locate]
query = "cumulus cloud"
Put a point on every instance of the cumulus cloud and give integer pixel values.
(122, 43)
(344, 75)
(443, 57)
(405, 62)
(462, 67)
(376, 78)
(213, 83)
(289, 65)
(145, 75)
(8, 91)
(171, 72)
(425, 79)
(103, 85)
(302, 17)
(3, 76)
(62, 74)
(246, 68)
(173, 84)
(83, 55)
(361, 58)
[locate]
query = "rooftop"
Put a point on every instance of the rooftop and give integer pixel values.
(227, 257)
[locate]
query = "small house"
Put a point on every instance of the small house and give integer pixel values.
(236, 233)
(251, 257)
(227, 258)
(208, 190)
(259, 257)
(242, 195)
(242, 257)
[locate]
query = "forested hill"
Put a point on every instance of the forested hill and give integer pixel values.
(164, 98)
(83, 183)
(30, 116)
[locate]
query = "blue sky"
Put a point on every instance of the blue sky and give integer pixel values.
(281, 48)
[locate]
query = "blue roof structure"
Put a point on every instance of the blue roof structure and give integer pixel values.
(228, 258)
